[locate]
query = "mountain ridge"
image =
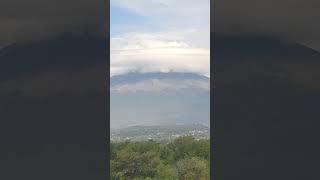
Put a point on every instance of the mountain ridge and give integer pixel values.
(159, 98)
(159, 82)
(133, 77)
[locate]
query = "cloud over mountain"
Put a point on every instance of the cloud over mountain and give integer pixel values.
(163, 51)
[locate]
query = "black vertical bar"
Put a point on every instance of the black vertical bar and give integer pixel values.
(108, 90)
(212, 94)
(54, 101)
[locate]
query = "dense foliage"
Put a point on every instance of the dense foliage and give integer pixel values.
(183, 159)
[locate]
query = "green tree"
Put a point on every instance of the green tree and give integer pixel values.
(130, 165)
(203, 149)
(167, 172)
(192, 169)
(183, 147)
(183, 159)
(167, 155)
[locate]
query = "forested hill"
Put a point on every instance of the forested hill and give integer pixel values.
(184, 158)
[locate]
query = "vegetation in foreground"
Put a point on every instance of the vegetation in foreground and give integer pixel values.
(183, 159)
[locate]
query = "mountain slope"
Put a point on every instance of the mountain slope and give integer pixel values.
(157, 82)
(159, 98)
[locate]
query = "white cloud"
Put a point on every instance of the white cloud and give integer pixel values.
(164, 51)
(180, 43)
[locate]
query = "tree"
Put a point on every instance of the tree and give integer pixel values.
(166, 172)
(183, 147)
(134, 164)
(192, 169)
(184, 159)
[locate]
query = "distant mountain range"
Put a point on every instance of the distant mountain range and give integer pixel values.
(157, 81)
(134, 77)
(159, 98)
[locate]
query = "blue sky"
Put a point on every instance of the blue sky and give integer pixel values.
(160, 35)
(124, 17)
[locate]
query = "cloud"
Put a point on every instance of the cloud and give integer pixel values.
(176, 38)
(161, 51)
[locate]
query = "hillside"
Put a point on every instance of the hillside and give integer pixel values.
(159, 99)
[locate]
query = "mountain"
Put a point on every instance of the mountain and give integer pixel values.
(134, 77)
(157, 81)
(159, 98)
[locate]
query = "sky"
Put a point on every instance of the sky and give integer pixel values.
(160, 36)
